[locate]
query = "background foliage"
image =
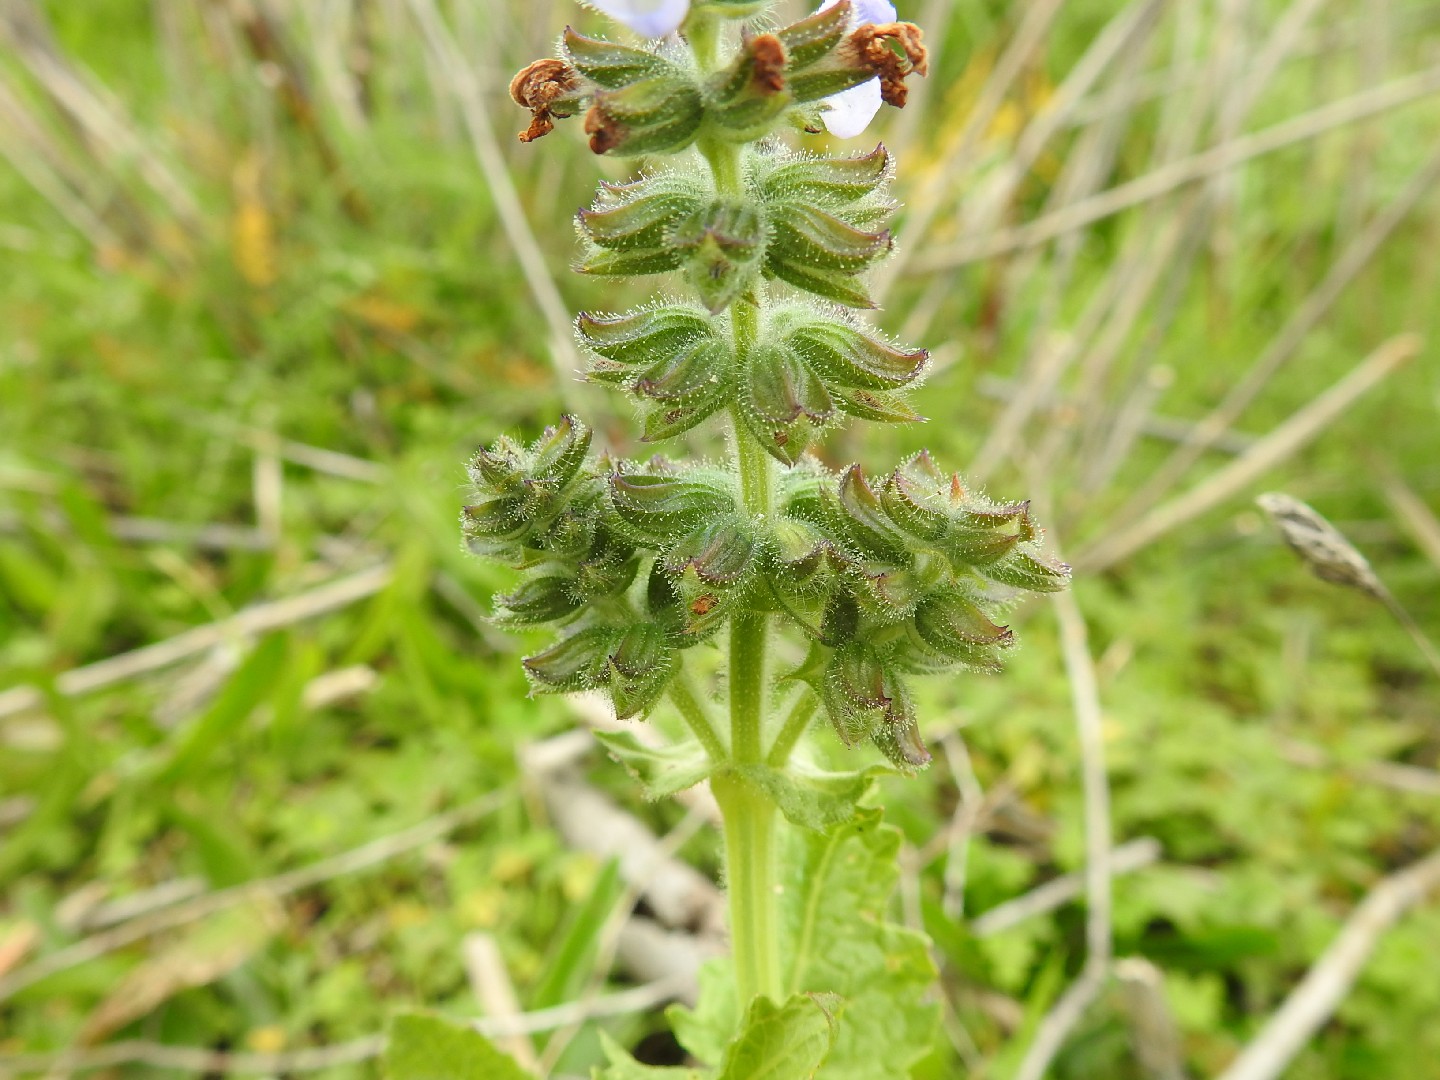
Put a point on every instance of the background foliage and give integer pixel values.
(260, 302)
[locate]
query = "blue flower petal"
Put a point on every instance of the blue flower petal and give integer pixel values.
(874, 11)
(849, 112)
(650, 18)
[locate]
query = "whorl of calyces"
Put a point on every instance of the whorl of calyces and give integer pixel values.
(634, 562)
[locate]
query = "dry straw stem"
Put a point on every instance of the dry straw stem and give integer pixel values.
(926, 203)
(1411, 779)
(1152, 1027)
(1128, 30)
(1085, 696)
(962, 824)
(1129, 857)
(107, 131)
(476, 112)
(1268, 452)
(201, 1060)
(1419, 520)
(259, 619)
(167, 918)
(1287, 342)
(495, 994)
(1163, 181)
(1325, 985)
(43, 168)
(1166, 428)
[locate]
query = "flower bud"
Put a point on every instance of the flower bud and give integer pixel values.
(560, 451)
(537, 600)
(720, 552)
(573, 663)
(841, 621)
(640, 222)
(643, 337)
(665, 507)
(951, 629)
(886, 593)
(855, 511)
(684, 364)
(712, 568)
(496, 527)
(610, 65)
(828, 183)
(814, 238)
(743, 103)
(852, 690)
(654, 116)
(800, 557)
(898, 737)
(820, 253)
(785, 405)
(522, 491)
(721, 246)
(810, 40)
(604, 573)
(845, 354)
(639, 669)
(698, 372)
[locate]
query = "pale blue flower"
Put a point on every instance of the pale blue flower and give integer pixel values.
(648, 18)
(849, 112)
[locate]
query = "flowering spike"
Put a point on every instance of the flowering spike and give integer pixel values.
(884, 577)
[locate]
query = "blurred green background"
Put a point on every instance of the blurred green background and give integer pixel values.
(269, 272)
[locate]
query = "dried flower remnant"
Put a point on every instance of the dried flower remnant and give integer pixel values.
(548, 88)
(873, 45)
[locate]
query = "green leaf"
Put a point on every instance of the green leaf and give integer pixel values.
(784, 1042)
(245, 690)
(812, 799)
(662, 771)
(832, 918)
(569, 963)
(429, 1048)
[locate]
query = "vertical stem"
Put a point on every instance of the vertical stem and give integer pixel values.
(747, 686)
(750, 815)
(750, 822)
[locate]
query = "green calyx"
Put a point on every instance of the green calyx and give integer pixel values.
(814, 366)
(644, 100)
(886, 579)
(814, 223)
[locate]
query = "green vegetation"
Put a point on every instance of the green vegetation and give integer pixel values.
(259, 305)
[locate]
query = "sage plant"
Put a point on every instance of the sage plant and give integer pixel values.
(827, 591)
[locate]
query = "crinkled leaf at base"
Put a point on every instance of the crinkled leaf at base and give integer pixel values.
(811, 798)
(660, 772)
(837, 888)
(784, 1042)
(430, 1048)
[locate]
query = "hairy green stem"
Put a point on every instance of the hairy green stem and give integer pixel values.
(747, 687)
(750, 836)
(750, 815)
(796, 724)
(687, 701)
